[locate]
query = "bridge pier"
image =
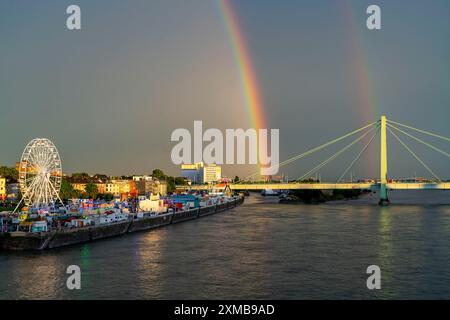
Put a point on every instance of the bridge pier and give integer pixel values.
(383, 164)
(384, 200)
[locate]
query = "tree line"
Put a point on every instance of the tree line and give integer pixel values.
(91, 190)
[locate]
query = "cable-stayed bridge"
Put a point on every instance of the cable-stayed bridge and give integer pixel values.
(383, 126)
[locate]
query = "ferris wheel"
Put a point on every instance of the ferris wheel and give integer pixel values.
(40, 173)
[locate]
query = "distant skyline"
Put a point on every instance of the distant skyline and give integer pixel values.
(110, 95)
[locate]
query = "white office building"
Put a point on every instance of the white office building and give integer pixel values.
(200, 173)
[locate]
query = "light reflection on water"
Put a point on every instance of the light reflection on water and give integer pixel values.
(260, 250)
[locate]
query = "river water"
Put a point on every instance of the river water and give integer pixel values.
(261, 250)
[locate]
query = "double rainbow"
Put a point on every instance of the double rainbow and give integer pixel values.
(250, 88)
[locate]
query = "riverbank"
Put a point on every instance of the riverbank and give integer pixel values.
(59, 238)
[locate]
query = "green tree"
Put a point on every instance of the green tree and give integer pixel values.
(159, 174)
(82, 177)
(67, 190)
(105, 196)
(236, 179)
(108, 196)
(180, 181)
(91, 190)
(170, 184)
(9, 173)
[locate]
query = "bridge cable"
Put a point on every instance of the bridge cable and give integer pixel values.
(420, 130)
(415, 155)
(318, 167)
(292, 159)
(302, 155)
(359, 155)
(421, 141)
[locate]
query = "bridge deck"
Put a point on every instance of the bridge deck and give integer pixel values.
(419, 186)
(326, 186)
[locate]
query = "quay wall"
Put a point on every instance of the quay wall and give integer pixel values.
(206, 211)
(23, 241)
(65, 237)
(110, 230)
(150, 222)
(221, 207)
(185, 215)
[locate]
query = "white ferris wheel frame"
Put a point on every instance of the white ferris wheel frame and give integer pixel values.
(40, 174)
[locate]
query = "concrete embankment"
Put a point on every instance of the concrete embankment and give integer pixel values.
(65, 237)
(23, 241)
(151, 222)
(110, 230)
(206, 211)
(181, 216)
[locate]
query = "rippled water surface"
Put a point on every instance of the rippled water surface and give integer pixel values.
(261, 250)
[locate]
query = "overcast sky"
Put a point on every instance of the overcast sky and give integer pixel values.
(110, 95)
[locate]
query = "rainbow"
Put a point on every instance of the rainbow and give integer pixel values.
(366, 95)
(250, 89)
(365, 88)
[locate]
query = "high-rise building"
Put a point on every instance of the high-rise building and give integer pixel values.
(201, 173)
(212, 173)
(193, 172)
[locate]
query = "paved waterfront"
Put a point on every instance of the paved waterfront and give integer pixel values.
(260, 250)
